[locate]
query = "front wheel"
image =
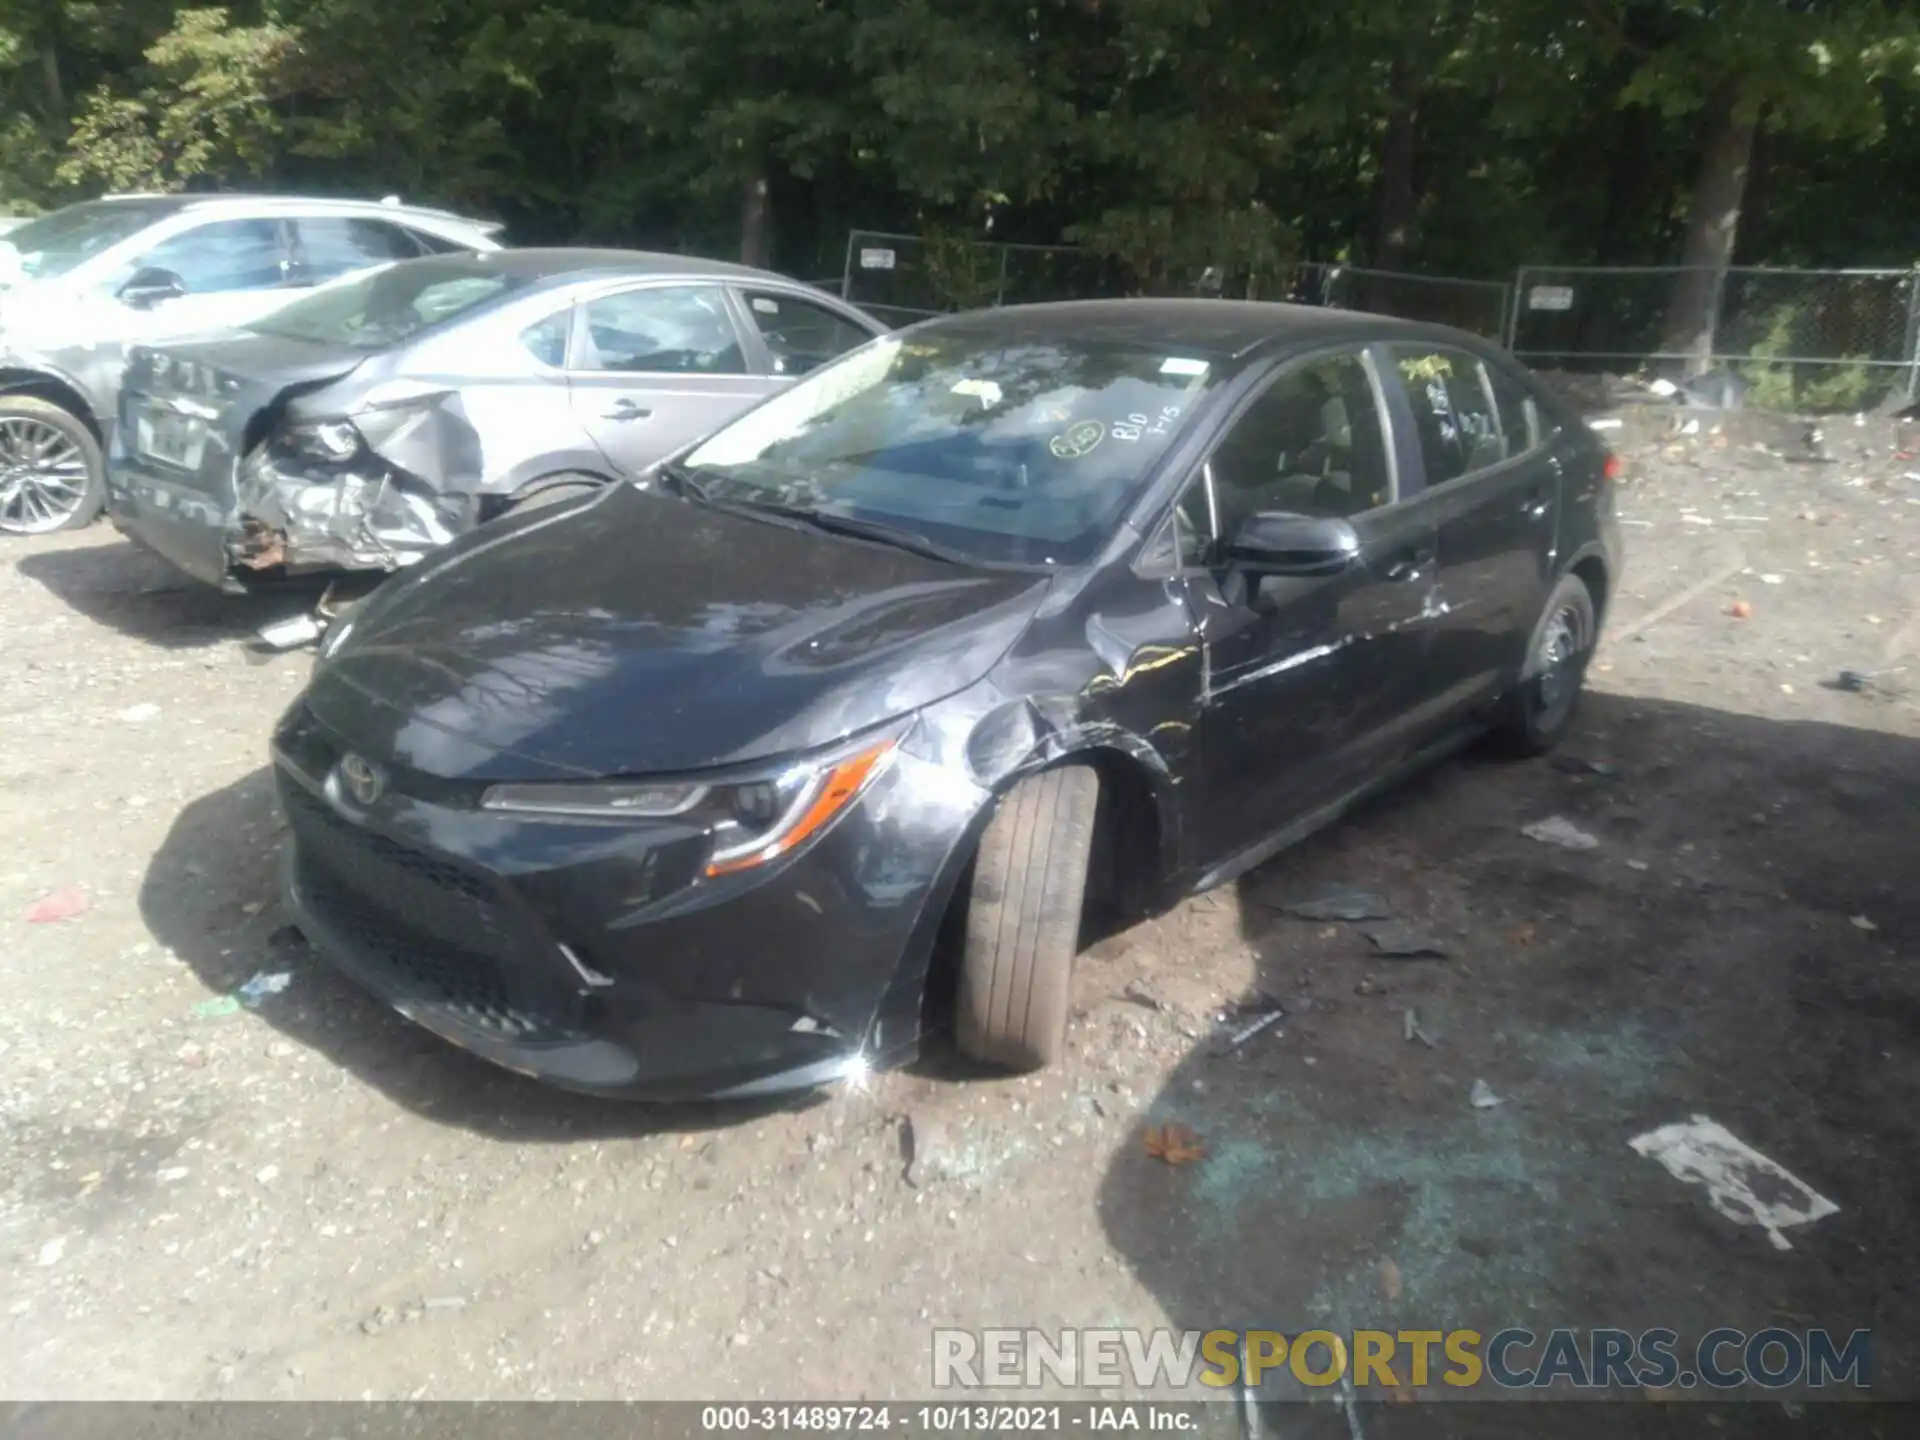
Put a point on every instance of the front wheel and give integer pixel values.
(1539, 711)
(1023, 920)
(52, 474)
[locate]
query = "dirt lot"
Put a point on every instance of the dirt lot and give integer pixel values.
(294, 1193)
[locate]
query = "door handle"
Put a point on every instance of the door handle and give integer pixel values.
(628, 410)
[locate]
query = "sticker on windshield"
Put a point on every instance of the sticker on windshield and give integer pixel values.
(987, 391)
(1177, 365)
(766, 306)
(1077, 440)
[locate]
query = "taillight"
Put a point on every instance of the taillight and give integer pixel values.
(1614, 468)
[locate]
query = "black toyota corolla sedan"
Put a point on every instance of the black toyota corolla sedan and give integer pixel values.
(1003, 622)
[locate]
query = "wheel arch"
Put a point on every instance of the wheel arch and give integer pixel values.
(55, 390)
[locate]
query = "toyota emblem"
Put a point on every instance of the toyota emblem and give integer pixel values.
(363, 779)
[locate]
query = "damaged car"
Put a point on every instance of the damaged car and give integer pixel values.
(874, 705)
(371, 422)
(81, 284)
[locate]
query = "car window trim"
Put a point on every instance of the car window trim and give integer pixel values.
(1203, 469)
(727, 304)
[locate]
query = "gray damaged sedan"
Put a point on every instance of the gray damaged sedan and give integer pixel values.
(369, 423)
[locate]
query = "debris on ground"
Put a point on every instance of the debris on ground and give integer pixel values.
(262, 985)
(1558, 830)
(61, 904)
(1414, 1032)
(1481, 1096)
(1339, 903)
(928, 1154)
(1858, 682)
(216, 1007)
(1175, 1144)
(1703, 1152)
(1861, 922)
(139, 714)
(291, 633)
(1581, 765)
(1396, 941)
(1136, 990)
(1740, 610)
(1392, 1286)
(1233, 1040)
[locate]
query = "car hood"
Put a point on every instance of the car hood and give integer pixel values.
(638, 633)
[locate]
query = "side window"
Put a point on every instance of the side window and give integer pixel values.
(1452, 411)
(1311, 444)
(431, 244)
(326, 246)
(223, 256)
(800, 335)
(547, 339)
(675, 330)
(1516, 410)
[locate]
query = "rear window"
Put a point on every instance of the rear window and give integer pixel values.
(383, 307)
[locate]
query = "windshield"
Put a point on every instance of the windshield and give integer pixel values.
(382, 307)
(1020, 453)
(54, 244)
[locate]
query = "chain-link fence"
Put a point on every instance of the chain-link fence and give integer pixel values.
(905, 277)
(1815, 338)
(1476, 305)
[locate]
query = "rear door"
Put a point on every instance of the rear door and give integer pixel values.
(653, 367)
(325, 247)
(1493, 492)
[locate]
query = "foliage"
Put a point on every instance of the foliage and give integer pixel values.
(1186, 141)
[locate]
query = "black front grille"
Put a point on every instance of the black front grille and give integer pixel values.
(437, 935)
(445, 900)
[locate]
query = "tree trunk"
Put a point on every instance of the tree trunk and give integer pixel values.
(1713, 223)
(1397, 199)
(50, 77)
(756, 221)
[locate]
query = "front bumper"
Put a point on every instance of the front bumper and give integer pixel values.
(587, 955)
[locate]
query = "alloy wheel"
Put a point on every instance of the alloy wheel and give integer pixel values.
(43, 476)
(1563, 648)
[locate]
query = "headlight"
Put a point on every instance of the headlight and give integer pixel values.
(752, 819)
(331, 442)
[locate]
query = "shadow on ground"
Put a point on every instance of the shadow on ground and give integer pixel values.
(1740, 945)
(210, 896)
(138, 594)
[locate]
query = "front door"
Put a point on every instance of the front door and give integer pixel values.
(1493, 492)
(656, 367)
(1306, 677)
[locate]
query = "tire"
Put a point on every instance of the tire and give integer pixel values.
(551, 490)
(1023, 920)
(1537, 714)
(52, 474)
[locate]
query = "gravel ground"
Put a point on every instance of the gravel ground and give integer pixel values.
(286, 1191)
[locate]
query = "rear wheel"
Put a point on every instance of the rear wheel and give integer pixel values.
(551, 490)
(1538, 713)
(52, 474)
(1023, 920)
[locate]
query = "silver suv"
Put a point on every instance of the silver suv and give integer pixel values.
(79, 285)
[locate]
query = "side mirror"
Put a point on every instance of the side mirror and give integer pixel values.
(1274, 543)
(151, 286)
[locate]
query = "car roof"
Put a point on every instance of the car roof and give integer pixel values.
(562, 263)
(168, 204)
(1215, 329)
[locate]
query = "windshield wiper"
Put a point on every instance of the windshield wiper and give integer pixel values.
(682, 482)
(897, 536)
